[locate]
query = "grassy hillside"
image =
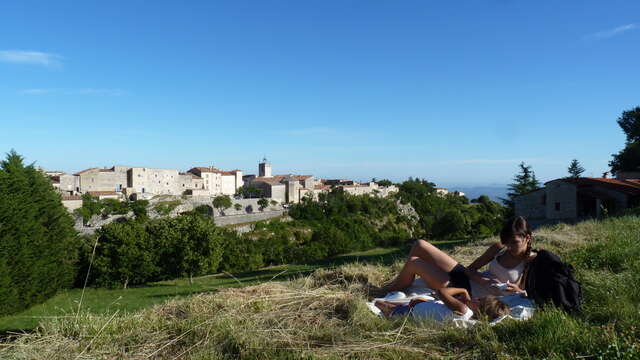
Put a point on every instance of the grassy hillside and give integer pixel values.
(323, 315)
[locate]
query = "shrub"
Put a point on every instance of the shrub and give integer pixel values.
(134, 253)
(38, 245)
(187, 245)
(239, 254)
(139, 208)
(124, 256)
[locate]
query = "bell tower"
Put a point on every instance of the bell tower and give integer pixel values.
(264, 168)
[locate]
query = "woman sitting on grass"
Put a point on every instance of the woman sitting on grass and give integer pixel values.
(455, 303)
(507, 260)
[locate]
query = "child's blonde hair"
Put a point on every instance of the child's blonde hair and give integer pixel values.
(492, 308)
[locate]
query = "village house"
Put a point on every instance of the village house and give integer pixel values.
(281, 188)
(290, 188)
(218, 182)
(143, 182)
(579, 198)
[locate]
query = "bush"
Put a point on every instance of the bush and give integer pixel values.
(124, 256)
(187, 245)
(38, 245)
(239, 254)
(134, 253)
(139, 208)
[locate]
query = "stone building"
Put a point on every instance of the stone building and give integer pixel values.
(282, 188)
(66, 184)
(135, 180)
(354, 188)
(578, 198)
(72, 202)
(94, 179)
(218, 182)
(154, 181)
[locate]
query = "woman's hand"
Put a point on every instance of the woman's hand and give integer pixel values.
(464, 298)
(513, 288)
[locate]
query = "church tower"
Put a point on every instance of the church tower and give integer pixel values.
(264, 168)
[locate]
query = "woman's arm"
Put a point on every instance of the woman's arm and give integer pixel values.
(484, 259)
(472, 270)
(447, 297)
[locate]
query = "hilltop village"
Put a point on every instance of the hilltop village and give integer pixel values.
(133, 183)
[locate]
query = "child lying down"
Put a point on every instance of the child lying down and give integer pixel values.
(453, 303)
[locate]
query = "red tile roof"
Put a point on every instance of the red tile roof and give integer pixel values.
(623, 186)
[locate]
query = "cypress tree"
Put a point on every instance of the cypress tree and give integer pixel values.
(38, 245)
(523, 182)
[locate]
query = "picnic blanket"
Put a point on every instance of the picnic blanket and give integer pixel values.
(521, 307)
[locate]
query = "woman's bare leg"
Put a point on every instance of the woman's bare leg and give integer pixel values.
(435, 277)
(432, 255)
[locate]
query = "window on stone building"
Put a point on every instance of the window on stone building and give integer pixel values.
(544, 199)
(557, 206)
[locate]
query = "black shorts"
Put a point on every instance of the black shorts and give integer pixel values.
(458, 278)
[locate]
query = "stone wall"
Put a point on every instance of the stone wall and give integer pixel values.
(102, 180)
(562, 200)
(531, 205)
(239, 219)
(155, 181)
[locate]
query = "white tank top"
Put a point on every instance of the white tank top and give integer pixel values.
(498, 272)
(505, 274)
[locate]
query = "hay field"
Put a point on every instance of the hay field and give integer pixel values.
(324, 316)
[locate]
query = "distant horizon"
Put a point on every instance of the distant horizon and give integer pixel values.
(456, 93)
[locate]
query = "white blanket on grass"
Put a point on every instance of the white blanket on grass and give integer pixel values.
(521, 307)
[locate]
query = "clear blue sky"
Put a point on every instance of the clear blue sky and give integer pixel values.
(455, 92)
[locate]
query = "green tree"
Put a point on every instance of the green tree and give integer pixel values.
(38, 244)
(222, 202)
(139, 208)
(188, 245)
(384, 182)
(575, 169)
(273, 203)
(263, 203)
(523, 182)
(239, 254)
(114, 206)
(628, 159)
(125, 256)
(237, 206)
(91, 206)
(249, 192)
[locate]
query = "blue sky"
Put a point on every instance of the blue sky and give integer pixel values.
(455, 92)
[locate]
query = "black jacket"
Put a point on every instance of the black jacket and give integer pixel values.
(550, 279)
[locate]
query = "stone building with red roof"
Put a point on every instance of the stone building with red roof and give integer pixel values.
(579, 198)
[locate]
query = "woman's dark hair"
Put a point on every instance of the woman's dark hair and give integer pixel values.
(515, 226)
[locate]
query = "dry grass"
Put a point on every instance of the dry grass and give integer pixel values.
(323, 315)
